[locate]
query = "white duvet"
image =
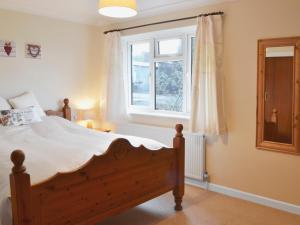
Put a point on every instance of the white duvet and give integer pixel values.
(51, 146)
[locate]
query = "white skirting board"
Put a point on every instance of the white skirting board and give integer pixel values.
(284, 206)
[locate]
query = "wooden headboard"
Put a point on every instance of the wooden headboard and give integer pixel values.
(65, 112)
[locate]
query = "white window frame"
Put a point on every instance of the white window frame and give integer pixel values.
(186, 33)
(161, 56)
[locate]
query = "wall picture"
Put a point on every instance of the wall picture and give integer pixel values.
(7, 48)
(33, 51)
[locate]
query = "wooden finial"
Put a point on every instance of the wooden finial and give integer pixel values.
(67, 110)
(18, 157)
(66, 102)
(179, 129)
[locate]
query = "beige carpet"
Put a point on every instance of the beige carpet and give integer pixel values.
(203, 208)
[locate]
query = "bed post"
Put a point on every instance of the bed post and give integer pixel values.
(179, 145)
(67, 110)
(20, 190)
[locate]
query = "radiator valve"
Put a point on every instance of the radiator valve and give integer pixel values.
(205, 176)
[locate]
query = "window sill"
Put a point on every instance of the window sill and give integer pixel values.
(161, 115)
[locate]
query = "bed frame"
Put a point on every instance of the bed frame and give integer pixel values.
(65, 112)
(122, 178)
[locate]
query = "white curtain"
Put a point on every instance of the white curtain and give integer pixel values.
(207, 109)
(115, 103)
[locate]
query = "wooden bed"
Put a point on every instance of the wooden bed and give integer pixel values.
(122, 178)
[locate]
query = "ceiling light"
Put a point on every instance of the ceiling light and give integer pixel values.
(118, 8)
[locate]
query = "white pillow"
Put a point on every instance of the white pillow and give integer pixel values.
(18, 117)
(4, 104)
(26, 100)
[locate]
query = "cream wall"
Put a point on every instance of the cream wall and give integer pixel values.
(70, 59)
(233, 160)
(71, 67)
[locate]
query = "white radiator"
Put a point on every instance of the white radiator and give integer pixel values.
(194, 151)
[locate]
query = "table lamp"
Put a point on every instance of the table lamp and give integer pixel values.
(87, 115)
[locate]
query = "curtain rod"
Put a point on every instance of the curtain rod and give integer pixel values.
(167, 21)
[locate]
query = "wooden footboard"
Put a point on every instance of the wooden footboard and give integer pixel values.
(108, 184)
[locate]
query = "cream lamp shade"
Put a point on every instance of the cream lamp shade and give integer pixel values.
(88, 115)
(118, 8)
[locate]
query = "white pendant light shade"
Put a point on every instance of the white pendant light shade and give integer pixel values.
(118, 8)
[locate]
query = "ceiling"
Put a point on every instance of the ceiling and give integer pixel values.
(85, 11)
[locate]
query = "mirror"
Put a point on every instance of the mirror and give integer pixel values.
(279, 70)
(278, 95)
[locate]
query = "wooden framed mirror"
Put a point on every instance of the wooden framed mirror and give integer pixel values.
(278, 95)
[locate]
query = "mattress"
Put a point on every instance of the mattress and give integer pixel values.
(51, 146)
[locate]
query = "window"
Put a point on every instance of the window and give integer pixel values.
(140, 74)
(169, 47)
(193, 46)
(169, 86)
(159, 69)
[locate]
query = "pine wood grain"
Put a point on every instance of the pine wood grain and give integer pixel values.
(123, 177)
(261, 143)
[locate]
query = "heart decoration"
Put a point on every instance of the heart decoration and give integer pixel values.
(7, 48)
(33, 50)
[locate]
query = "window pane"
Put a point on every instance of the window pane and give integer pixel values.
(170, 47)
(169, 86)
(193, 46)
(140, 76)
